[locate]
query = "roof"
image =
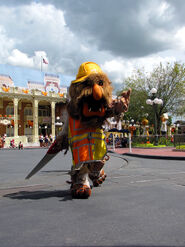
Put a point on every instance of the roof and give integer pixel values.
(36, 82)
(3, 75)
(6, 78)
(21, 75)
(52, 75)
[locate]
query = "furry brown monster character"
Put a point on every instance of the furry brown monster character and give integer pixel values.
(89, 106)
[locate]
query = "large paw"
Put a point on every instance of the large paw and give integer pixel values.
(125, 99)
(80, 191)
(121, 104)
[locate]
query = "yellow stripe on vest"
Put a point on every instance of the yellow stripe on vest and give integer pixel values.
(87, 144)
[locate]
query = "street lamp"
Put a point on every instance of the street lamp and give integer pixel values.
(132, 121)
(58, 123)
(154, 102)
(46, 128)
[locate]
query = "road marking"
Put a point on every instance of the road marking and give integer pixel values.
(149, 180)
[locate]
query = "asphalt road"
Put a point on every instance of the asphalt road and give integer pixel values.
(141, 203)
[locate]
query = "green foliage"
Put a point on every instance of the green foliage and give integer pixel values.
(169, 80)
(169, 121)
(150, 145)
(181, 147)
(139, 139)
(165, 141)
(148, 141)
(162, 141)
(137, 107)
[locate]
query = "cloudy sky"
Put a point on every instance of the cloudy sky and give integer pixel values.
(119, 35)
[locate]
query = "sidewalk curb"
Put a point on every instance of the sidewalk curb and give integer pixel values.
(126, 154)
(32, 148)
(155, 156)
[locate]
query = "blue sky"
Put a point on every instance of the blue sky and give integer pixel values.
(21, 75)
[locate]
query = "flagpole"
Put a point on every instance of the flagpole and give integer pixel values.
(41, 63)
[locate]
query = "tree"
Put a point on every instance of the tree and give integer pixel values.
(137, 108)
(168, 79)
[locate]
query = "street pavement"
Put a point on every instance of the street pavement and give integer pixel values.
(141, 203)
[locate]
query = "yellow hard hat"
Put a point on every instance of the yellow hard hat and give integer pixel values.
(85, 70)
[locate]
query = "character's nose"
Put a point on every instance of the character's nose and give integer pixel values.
(97, 92)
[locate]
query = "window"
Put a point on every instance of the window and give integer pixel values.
(28, 130)
(9, 131)
(44, 111)
(28, 111)
(9, 110)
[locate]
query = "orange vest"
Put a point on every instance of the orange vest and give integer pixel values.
(87, 144)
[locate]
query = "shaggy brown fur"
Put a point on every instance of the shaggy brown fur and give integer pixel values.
(82, 92)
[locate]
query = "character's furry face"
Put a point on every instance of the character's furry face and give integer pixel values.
(90, 99)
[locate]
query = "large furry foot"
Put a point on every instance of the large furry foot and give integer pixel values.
(98, 180)
(80, 191)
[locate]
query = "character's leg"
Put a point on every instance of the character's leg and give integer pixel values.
(97, 174)
(80, 187)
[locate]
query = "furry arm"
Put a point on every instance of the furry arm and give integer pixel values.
(120, 105)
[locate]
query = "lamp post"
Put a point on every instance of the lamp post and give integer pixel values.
(132, 127)
(46, 129)
(154, 102)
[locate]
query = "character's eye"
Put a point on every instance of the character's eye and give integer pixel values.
(100, 83)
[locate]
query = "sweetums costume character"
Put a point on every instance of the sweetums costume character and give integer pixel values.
(89, 106)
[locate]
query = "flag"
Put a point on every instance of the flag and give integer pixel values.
(45, 61)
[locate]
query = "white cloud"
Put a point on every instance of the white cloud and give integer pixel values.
(42, 27)
(33, 27)
(117, 37)
(165, 11)
(148, 63)
(180, 38)
(6, 44)
(18, 58)
(38, 59)
(118, 69)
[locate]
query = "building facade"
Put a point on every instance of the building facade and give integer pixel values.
(26, 113)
